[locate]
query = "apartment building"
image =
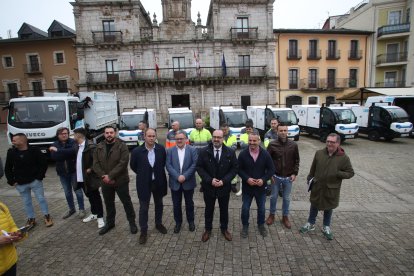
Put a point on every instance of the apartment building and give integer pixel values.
(392, 47)
(38, 61)
(316, 66)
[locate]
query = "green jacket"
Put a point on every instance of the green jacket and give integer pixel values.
(115, 164)
(328, 172)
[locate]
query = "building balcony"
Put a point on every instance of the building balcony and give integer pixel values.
(392, 59)
(242, 35)
(294, 55)
(323, 84)
(333, 55)
(185, 76)
(390, 84)
(354, 55)
(108, 38)
(393, 29)
(32, 68)
(314, 55)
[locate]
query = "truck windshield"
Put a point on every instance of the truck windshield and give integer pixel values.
(186, 119)
(344, 116)
(36, 114)
(398, 115)
(286, 116)
(236, 119)
(130, 122)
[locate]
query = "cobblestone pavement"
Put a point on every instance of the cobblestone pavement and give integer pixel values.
(373, 227)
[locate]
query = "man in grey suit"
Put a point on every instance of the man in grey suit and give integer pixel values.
(181, 166)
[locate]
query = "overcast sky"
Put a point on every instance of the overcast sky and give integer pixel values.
(292, 14)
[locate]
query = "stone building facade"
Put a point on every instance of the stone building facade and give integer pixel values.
(177, 62)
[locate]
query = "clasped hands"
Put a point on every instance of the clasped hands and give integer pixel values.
(255, 182)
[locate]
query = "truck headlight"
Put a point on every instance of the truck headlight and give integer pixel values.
(356, 127)
(342, 128)
(121, 134)
(398, 126)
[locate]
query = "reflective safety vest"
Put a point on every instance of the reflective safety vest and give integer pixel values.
(170, 141)
(230, 141)
(269, 137)
(140, 140)
(200, 138)
(244, 140)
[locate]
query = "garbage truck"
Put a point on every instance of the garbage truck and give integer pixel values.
(322, 120)
(406, 102)
(184, 115)
(262, 115)
(40, 117)
(234, 117)
(382, 120)
(128, 124)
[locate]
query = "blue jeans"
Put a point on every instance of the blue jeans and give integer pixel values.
(286, 190)
(261, 208)
(25, 191)
(177, 198)
(67, 183)
(327, 216)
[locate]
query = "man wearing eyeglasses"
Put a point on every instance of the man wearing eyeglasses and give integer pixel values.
(329, 167)
(181, 165)
(64, 151)
(217, 166)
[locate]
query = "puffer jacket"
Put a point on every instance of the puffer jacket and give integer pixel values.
(8, 253)
(285, 156)
(328, 172)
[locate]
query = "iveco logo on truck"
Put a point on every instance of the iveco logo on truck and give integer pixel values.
(38, 134)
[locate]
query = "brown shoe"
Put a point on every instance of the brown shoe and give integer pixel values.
(206, 236)
(227, 235)
(270, 219)
(48, 220)
(143, 238)
(286, 222)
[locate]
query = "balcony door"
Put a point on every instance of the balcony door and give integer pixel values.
(392, 52)
(34, 65)
(390, 79)
(244, 66)
(112, 70)
(242, 27)
(179, 68)
(313, 78)
(331, 78)
(394, 17)
(108, 30)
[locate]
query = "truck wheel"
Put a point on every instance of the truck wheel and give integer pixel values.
(373, 135)
(296, 138)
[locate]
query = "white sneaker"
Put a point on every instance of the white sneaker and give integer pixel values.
(101, 223)
(239, 193)
(90, 218)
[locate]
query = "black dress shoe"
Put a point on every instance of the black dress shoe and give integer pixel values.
(106, 229)
(191, 226)
(133, 228)
(161, 228)
(177, 228)
(143, 238)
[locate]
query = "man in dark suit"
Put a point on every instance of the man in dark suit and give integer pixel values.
(181, 166)
(217, 166)
(148, 162)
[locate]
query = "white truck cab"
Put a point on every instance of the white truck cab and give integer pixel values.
(128, 124)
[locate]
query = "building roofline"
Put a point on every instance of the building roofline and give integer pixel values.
(18, 40)
(321, 31)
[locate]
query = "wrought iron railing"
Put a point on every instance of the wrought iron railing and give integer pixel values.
(244, 33)
(393, 29)
(187, 73)
(392, 57)
(107, 37)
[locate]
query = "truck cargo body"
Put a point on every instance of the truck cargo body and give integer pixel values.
(380, 120)
(322, 121)
(262, 116)
(40, 117)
